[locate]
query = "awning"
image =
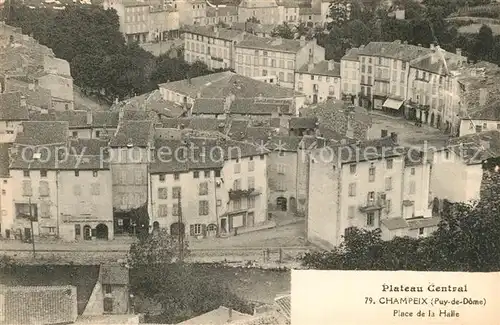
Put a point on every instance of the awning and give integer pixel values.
(393, 103)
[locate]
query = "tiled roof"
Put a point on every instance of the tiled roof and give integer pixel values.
(394, 50)
(136, 133)
(284, 305)
(303, 122)
(351, 55)
(222, 11)
(256, 106)
(237, 129)
(208, 106)
(108, 320)
(477, 147)
(260, 133)
(175, 123)
(270, 318)
(11, 109)
(284, 143)
(105, 118)
(423, 222)
(4, 159)
(148, 102)
(218, 316)
(271, 44)
(206, 124)
(322, 68)
(136, 115)
(37, 133)
(114, 274)
(92, 147)
(414, 157)
(394, 223)
(365, 151)
(223, 84)
(254, 27)
(45, 305)
(211, 31)
(49, 159)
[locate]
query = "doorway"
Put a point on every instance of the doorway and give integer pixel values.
(211, 230)
(27, 234)
(293, 204)
(101, 231)
(78, 232)
(250, 219)
(223, 225)
(177, 228)
(87, 232)
(281, 203)
(315, 98)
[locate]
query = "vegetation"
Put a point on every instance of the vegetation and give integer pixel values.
(100, 59)
(181, 289)
(467, 239)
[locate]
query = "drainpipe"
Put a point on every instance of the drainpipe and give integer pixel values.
(57, 203)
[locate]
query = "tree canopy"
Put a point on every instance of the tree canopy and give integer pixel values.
(467, 239)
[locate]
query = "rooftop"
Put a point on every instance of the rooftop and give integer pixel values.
(223, 84)
(477, 147)
(148, 102)
(219, 316)
(222, 11)
(303, 122)
(11, 108)
(271, 44)
(322, 68)
(394, 50)
(114, 274)
(253, 27)
(4, 160)
(133, 133)
(214, 32)
(37, 133)
(351, 55)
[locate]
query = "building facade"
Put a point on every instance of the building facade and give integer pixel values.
(319, 81)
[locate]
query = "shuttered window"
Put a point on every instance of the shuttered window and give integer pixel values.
(44, 210)
(44, 188)
(27, 190)
(203, 208)
(198, 230)
(162, 193)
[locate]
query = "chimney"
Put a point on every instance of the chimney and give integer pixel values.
(394, 137)
(458, 51)
(89, 117)
(483, 96)
(302, 41)
(331, 65)
(383, 133)
(23, 101)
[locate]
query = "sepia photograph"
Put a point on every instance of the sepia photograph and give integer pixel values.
(207, 162)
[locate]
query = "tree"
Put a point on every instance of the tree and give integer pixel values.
(483, 46)
(357, 33)
(283, 31)
(254, 20)
(339, 12)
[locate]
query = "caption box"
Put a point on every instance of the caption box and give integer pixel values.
(394, 297)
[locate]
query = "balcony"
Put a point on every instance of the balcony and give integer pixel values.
(238, 194)
(217, 58)
(373, 205)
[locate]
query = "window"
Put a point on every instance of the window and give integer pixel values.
(370, 219)
(237, 168)
(175, 209)
(412, 171)
(108, 305)
(95, 173)
(388, 205)
(176, 176)
(43, 173)
(207, 173)
(237, 184)
(197, 229)
(196, 174)
(331, 90)
(251, 165)
(289, 77)
(203, 188)
(203, 208)
(349, 231)
(107, 288)
(389, 163)
(352, 189)
(236, 204)
(26, 173)
(420, 231)
(162, 210)
(371, 197)
(75, 134)
(388, 183)
(27, 191)
(371, 174)
(176, 192)
(217, 173)
(251, 182)
(44, 188)
(78, 230)
(161, 178)
(97, 134)
(95, 189)
(52, 230)
(351, 211)
(251, 202)
(352, 168)
(413, 186)
(262, 157)
(162, 193)
(77, 173)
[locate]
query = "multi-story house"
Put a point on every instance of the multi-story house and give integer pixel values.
(319, 81)
(349, 74)
(219, 89)
(433, 89)
(37, 98)
(477, 122)
(461, 161)
(366, 186)
(265, 11)
(143, 22)
(211, 45)
(221, 14)
(129, 155)
(6, 208)
(206, 187)
(259, 57)
(289, 11)
(191, 12)
(14, 112)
